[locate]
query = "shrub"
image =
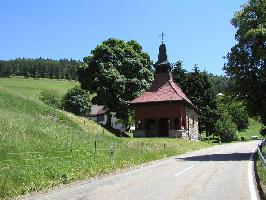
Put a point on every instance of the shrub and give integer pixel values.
(226, 128)
(240, 113)
(50, 97)
(236, 109)
(76, 101)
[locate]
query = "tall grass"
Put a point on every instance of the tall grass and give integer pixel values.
(27, 126)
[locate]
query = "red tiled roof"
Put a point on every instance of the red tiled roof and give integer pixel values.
(163, 89)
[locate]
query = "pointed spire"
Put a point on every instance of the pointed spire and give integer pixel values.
(162, 65)
(162, 56)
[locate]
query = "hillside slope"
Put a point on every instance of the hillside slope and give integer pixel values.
(41, 147)
(32, 87)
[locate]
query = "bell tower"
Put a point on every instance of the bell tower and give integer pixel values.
(162, 65)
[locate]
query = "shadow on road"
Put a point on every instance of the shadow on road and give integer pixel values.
(218, 157)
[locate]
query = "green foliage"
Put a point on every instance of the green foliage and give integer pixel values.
(200, 91)
(50, 97)
(40, 68)
(76, 101)
(236, 109)
(253, 129)
(260, 168)
(263, 132)
(247, 59)
(180, 75)
(117, 72)
(232, 117)
(221, 83)
(240, 116)
(226, 128)
(199, 88)
(50, 147)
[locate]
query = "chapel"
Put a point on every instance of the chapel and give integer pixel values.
(164, 110)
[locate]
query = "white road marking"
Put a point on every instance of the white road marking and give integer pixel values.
(183, 171)
(253, 194)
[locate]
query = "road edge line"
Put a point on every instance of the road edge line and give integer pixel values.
(252, 189)
(183, 171)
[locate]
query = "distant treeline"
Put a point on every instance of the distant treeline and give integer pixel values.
(40, 68)
(66, 69)
(221, 83)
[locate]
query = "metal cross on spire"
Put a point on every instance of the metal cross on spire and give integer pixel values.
(162, 35)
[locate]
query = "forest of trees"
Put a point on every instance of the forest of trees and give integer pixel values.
(220, 115)
(222, 84)
(40, 68)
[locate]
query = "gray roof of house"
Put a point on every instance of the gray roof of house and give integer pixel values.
(97, 110)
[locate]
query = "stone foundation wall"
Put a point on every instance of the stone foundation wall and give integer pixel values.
(192, 124)
(173, 133)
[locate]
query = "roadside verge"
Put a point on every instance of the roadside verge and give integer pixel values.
(260, 171)
(258, 168)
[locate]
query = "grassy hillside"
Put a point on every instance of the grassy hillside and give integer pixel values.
(32, 87)
(253, 130)
(41, 147)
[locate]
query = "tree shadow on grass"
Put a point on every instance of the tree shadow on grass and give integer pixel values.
(218, 157)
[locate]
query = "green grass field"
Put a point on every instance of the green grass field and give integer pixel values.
(32, 87)
(41, 147)
(253, 130)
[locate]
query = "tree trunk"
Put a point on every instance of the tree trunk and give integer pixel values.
(207, 134)
(108, 121)
(127, 126)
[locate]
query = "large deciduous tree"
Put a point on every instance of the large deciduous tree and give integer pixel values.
(247, 58)
(116, 72)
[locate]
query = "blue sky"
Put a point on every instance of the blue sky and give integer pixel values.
(197, 32)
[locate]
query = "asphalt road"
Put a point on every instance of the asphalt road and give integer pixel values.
(219, 172)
